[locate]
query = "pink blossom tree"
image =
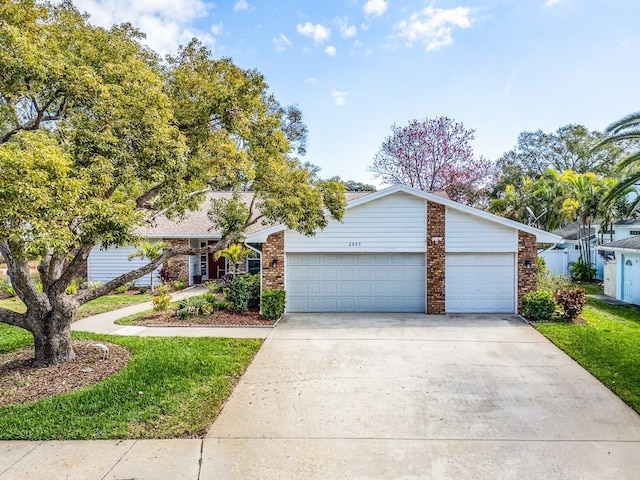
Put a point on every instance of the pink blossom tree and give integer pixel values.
(434, 155)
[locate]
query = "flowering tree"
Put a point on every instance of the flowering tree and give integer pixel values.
(434, 155)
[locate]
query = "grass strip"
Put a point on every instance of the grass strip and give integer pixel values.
(172, 387)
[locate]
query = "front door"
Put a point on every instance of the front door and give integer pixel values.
(628, 282)
(217, 268)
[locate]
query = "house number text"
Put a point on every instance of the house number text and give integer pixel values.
(354, 244)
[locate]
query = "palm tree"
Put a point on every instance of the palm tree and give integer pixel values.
(234, 253)
(152, 251)
(625, 131)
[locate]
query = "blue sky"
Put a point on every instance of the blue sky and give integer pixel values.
(355, 67)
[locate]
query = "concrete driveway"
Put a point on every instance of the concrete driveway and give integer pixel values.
(416, 396)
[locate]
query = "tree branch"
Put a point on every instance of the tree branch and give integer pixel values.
(13, 318)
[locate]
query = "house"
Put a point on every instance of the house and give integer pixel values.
(194, 230)
(398, 249)
(622, 269)
(402, 249)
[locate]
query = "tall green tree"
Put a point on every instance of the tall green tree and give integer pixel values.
(624, 133)
(97, 137)
(570, 147)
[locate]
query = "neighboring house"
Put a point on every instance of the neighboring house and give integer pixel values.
(396, 250)
(622, 269)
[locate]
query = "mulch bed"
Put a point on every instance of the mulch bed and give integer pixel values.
(20, 381)
(222, 318)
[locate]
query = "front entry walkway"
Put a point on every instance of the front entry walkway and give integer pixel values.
(416, 396)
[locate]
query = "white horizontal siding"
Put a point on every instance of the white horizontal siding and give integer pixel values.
(105, 265)
(395, 223)
(468, 233)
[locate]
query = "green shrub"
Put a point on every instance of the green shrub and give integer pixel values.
(162, 300)
(142, 290)
(214, 287)
(39, 287)
(11, 291)
(539, 305)
(222, 305)
(72, 289)
(572, 301)
(179, 284)
(4, 284)
(122, 289)
(272, 304)
(243, 293)
(582, 271)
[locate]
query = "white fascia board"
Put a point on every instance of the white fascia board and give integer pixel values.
(541, 235)
(604, 248)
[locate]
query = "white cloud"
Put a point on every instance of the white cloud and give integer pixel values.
(349, 31)
(432, 26)
(240, 5)
(331, 51)
(346, 30)
(281, 42)
(216, 29)
(551, 3)
(312, 80)
(318, 32)
(375, 8)
(156, 18)
(339, 98)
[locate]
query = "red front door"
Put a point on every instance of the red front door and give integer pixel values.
(217, 268)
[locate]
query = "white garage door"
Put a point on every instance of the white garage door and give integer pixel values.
(355, 282)
(480, 282)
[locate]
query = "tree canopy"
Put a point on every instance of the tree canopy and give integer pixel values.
(433, 155)
(99, 136)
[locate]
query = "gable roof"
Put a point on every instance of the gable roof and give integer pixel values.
(631, 244)
(196, 223)
(541, 235)
(569, 232)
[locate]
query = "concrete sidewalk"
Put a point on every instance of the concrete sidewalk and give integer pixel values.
(104, 323)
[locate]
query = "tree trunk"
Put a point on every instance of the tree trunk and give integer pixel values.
(52, 339)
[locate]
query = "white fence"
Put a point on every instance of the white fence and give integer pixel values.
(558, 261)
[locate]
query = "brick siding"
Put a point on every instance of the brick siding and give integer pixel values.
(273, 248)
(527, 277)
(435, 258)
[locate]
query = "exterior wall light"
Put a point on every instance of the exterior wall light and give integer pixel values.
(274, 263)
(527, 264)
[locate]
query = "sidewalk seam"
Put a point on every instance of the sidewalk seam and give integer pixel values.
(21, 458)
(120, 459)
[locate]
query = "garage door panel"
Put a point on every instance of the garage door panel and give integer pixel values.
(483, 283)
(355, 282)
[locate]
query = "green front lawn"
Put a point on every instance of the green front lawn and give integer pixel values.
(94, 307)
(608, 346)
(172, 387)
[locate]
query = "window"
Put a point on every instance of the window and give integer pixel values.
(253, 265)
(634, 232)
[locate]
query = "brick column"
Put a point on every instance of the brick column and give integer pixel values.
(527, 277)
(273, 248)
(435, 258)
(179, 266)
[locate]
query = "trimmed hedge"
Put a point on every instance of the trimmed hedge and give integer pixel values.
(539, 305)
(272, 304)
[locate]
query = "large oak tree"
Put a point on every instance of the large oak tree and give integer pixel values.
(98, 136)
